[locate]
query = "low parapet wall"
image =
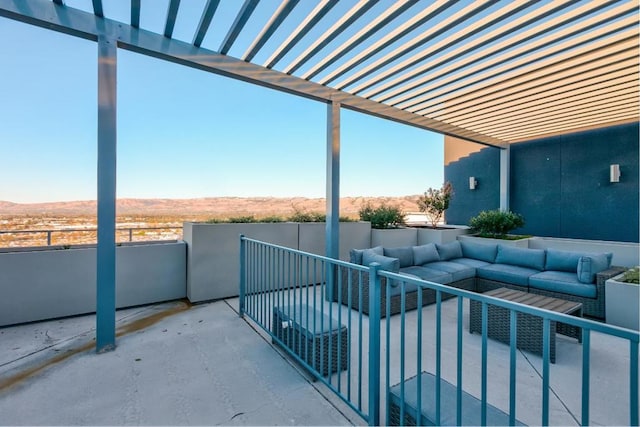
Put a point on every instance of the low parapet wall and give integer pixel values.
(45, 284)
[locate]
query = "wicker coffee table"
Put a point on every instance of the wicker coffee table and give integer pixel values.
(529, 332)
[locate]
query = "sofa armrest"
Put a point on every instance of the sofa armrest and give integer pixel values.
(608, 274)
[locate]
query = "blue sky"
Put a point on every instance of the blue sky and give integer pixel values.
(183, 133)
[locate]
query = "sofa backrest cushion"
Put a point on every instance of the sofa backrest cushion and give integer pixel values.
(355, 255)
(425, 253)
(449, 250)
(522, 257)
(404, 255)
(558, 260)
(479, 251)
(386, 263)
(562, 260)
(589, 266)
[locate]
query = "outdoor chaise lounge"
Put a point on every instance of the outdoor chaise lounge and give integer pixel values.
(573, 276)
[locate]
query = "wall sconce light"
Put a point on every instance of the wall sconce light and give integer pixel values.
(473, 183)
(614, 173)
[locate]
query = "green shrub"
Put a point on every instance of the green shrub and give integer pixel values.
(241, 219)
(300, 216)
(495, 223)
(632, 276)
(435, 201)
(382, 216)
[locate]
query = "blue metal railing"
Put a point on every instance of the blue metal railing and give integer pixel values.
(297, 298)
(281, 287)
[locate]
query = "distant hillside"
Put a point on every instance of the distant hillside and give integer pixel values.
(214, 206)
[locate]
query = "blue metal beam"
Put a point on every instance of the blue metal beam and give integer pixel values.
(271, 27)
(333, 180)
(243, 16)
(172, 13)
(205, 21)
(135, 13)
(97, 8)
(106, 251)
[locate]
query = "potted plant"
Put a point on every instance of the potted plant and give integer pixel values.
(434, 202)
(494, 226)
(387, 223)
(623, 299)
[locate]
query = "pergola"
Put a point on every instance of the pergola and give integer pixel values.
(488, 71)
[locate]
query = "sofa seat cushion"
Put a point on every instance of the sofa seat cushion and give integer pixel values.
(521, 257)
(470, 262)
(396, 288)
(562, 281)
(429, 274)
(479, 251)
(507, 273)
(458, 271)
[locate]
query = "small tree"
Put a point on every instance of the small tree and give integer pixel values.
(435, 201)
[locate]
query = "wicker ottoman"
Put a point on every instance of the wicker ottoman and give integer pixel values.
(317, 338)
(529, 327)
(471, 406)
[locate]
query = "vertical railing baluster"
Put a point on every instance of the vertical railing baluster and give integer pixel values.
(438, 354)
(513, 343)
(338, 278)
(633, 382)
(243, 276)
(483, 404)
(350, 316)
(403, 305)
(459, 363)
(586, 371)
(49, 238)
(360, 334)
(387, 310)
(419, 361)
(546, 348)
(374, 345)
(131, 234)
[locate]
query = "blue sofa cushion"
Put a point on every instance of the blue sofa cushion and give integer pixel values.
(507, 273)
(528, 258)
(429, 274)
(562, 260)
(425, 253)
(562, 281)
(469, 262)
(386, 263)
(449, 250)
(355, 255)
(589, 266)
(458, 271)
(404, 254)
(479, 251)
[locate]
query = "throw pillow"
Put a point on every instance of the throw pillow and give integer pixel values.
(386, 263)
(589, 266)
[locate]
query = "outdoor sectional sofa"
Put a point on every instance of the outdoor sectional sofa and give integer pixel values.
(573, 276)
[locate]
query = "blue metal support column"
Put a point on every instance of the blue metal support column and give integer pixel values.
(332, 239)
(106, 252)
(505, 176)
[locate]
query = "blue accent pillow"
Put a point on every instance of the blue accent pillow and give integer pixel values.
(424, 254)
(355, 255)
(479, 251)
(386, 263)
(589, 266)
(522, 257)
(449, 250)
(404, 254)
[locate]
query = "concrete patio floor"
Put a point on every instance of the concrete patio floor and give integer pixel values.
(175, 364)
(178, 364)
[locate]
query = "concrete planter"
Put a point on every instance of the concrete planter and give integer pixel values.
(521, 243)
(312, 237)
(213, 254)
(622, 303)
(440, 235)
(394, 237)
(45, 284)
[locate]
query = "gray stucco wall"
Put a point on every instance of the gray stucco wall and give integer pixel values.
(560, 184)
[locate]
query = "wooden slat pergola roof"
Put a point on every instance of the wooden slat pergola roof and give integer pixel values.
(494, 72)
